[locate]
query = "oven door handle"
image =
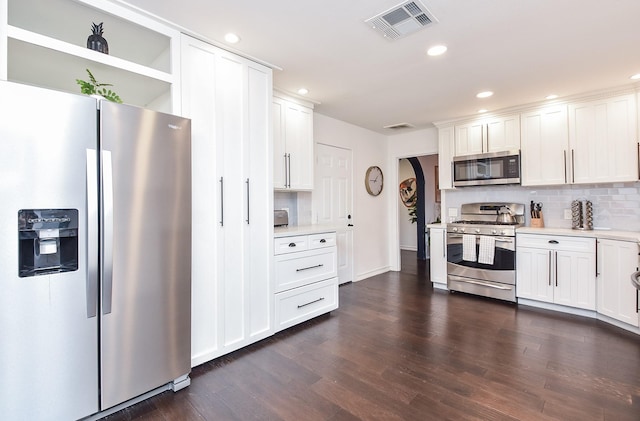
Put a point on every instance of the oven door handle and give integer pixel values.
(485, 284)
(498, 239)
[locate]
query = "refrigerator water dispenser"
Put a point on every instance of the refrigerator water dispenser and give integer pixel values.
(48, 241)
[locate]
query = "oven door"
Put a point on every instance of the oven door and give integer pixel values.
(504, 263)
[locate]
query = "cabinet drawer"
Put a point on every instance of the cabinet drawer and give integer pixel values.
(304, 303)
(326, 239)
(556, 242)
(298, 269)
(284, 245)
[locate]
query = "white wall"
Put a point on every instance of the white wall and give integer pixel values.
(370, 214)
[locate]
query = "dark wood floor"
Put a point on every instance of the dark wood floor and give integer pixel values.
(398, 350)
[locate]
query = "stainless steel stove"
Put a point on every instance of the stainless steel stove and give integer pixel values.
(481, 252)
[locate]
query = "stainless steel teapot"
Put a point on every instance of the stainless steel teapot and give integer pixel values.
(505, 216)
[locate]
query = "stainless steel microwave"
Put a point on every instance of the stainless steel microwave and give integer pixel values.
(487, 169)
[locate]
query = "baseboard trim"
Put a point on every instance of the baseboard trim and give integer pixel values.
(371, 273)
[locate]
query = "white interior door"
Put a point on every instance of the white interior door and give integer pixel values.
(332, 201)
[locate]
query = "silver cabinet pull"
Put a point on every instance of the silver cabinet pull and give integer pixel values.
(573, 167)
(555, 260)
(289, 172)
(92, 234)
(311, 302)
(248, 194)
(310, 267)
(222, 201)
(565, 165)
(549, 267)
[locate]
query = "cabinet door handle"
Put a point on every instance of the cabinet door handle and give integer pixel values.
(323, 241)
(311, 302)
(286, 171)
(565, 165)
(638, 154)
(289, 172)
(555, 261)
(549, 267)
(573, 166)
(292, 244)
(553, 242)
(248, 194)
(222, 201)
(310, 267)
(597, 273)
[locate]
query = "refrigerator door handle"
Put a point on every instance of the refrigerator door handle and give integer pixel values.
(107, 244)
(92, 233)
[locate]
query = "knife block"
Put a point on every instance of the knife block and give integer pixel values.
(537, 222)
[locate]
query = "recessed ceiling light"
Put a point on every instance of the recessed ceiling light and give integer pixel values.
(437, 50)
(552, 96)
(231, 38)
(635, 77)
(482, 111)
(303, 91)
(485, 94)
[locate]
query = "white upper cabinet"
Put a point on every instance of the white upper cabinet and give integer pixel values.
(292, 145)
(46, 45)
(602, 140)
(495, 134)
(445, 156)
(582, 142)
(545, 138)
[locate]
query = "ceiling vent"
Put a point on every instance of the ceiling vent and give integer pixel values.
(399, 126)
(401, 20)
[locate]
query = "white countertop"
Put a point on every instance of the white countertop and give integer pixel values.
(304, 230)
(596, 233)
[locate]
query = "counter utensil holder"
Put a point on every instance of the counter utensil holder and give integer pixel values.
(582, 215)
(537, 222)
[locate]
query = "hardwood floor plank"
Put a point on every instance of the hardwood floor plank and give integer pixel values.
(397, 349)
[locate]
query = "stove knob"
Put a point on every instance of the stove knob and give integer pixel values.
(494, 232)
(461, 229)
(454, 229)
(503, 232)
(477, 230)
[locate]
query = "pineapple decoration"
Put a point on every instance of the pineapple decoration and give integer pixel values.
(96, 41)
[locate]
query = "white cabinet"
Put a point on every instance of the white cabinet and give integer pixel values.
(556, 269)
(583, 142)
(603, 140)
(617, 260)
(292, 145)
(45, 45)
(228, 99)
(306, 277)
(494, 134)
(545, 136)
(438, 257)
(445, 157)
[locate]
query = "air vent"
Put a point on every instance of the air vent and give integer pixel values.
(399, 126)
(401, 20)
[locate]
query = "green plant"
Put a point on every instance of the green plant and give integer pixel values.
(94, 88)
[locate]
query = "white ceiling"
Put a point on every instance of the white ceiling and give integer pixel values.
(522, 50)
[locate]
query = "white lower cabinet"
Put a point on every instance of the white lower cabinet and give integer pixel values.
(617, 260)
(438, 257)
(306, 278)
(556, 269)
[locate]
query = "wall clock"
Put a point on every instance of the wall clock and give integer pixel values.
(374, 180)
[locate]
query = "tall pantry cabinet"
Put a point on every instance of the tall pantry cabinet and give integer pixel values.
(229, 99)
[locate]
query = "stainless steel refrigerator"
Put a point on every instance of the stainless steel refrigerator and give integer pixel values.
(95, 253)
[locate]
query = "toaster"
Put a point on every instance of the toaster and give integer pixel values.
(280, 218)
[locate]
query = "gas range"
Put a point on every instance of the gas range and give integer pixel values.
(480, 219)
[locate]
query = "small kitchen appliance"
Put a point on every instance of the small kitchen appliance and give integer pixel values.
(487, 169)
(481, 250)
(280, 218)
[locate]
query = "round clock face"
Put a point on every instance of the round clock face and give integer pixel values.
(373, 181)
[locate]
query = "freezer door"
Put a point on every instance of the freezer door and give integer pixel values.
(48, 327)
(146, 250)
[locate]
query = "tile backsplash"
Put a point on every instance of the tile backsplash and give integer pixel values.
(298, 204)
(615, 206)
